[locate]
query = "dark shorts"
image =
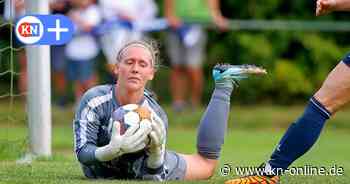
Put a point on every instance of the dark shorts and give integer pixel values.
(174, 166)
(80, 70)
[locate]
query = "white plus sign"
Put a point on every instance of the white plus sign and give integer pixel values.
(57, 29)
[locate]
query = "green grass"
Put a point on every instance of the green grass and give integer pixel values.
(253, 133)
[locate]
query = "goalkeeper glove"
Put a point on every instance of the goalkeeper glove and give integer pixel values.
(134, 139)
(156, 149)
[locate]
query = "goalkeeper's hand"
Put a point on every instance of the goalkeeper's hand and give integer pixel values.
(134, 139)
(156, 149)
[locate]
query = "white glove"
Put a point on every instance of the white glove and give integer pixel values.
(156, 150)
(134, 139)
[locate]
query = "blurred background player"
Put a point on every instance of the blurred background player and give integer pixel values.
(303, 134)
(122, 22)
(186, 45)
(82, 50)
(58, 56)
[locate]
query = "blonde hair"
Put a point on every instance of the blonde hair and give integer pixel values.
(151, 45)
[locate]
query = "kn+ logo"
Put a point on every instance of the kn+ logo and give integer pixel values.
(44, 29)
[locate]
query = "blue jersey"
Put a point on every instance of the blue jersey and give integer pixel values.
(346, 59)
(92, 129)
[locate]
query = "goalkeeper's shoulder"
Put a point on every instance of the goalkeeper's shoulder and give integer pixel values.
(96, 96)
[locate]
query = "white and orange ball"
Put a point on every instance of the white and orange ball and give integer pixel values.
(131, 115)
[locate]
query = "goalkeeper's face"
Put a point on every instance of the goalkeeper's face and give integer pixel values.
(135, 68)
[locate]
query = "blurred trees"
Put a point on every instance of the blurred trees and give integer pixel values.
(297, 61)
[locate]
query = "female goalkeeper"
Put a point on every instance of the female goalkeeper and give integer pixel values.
(104, 152)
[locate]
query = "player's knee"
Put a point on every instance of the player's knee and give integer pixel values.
(209, 166)
(329, 102)
(199, 167)
(210, 172)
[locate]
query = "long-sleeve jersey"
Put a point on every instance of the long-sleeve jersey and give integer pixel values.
(92, 127)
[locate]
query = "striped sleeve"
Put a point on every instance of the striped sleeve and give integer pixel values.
(87, 124)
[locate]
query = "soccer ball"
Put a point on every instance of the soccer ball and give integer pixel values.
(131, 115)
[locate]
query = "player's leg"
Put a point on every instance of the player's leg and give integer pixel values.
(211, 131)
(58, 64)
(333, 94)
(73, 74)
(195, 75)
(87, 76)
(335, 91)
(194, 59)
(213, 125)
(178, 87)
(178, 83)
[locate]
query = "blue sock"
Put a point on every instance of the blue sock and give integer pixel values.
(346, 59)
(213, 125)
(300, 136)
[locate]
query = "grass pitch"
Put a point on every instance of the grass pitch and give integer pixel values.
(252, 136)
